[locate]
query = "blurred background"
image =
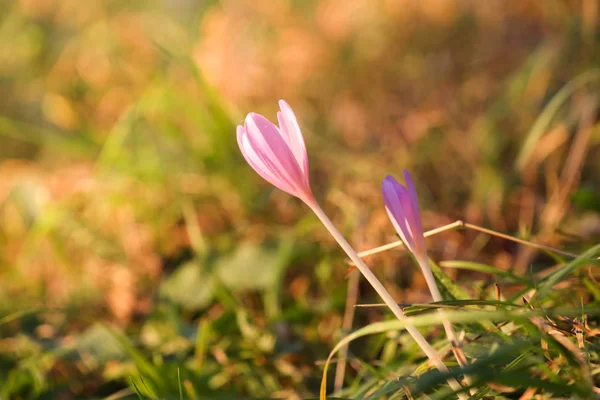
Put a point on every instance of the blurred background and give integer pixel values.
(135, 240)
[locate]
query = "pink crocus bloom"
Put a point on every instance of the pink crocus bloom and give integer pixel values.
(402, 206)
(278, 154)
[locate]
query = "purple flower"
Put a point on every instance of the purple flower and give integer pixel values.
(402, 206)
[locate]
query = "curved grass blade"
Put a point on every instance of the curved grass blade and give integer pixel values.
(587, 258)
(521, 314)
(473, 266)
(545, 118)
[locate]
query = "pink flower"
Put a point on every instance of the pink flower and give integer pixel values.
(402, 206)
(277, 154)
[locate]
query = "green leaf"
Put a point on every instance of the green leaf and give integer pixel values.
(100, 343)
(472, 266)
(592, 287)
(520, 314)
(449, 289)
(252, 266)
(189, 286)
(523, 380)
(587, 198)
(149, 375)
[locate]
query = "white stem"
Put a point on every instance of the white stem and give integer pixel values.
(386, 297)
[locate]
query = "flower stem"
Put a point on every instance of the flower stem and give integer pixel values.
(450, 334)
(386, 297)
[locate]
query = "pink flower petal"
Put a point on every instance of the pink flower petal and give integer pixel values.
(278, 156)
(257, 162)
(290, 130)
(267, 141)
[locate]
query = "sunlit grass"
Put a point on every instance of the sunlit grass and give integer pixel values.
(141, 258)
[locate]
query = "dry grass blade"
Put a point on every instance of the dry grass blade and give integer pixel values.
(461, 224)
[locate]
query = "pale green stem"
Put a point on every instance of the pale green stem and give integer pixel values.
(386, 297)
(436, 295)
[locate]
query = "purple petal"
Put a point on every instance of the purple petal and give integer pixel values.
(405, 203)
(391, 191)
(414, 201)
(414, 206)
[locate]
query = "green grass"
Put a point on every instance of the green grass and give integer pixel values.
(140, 257)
